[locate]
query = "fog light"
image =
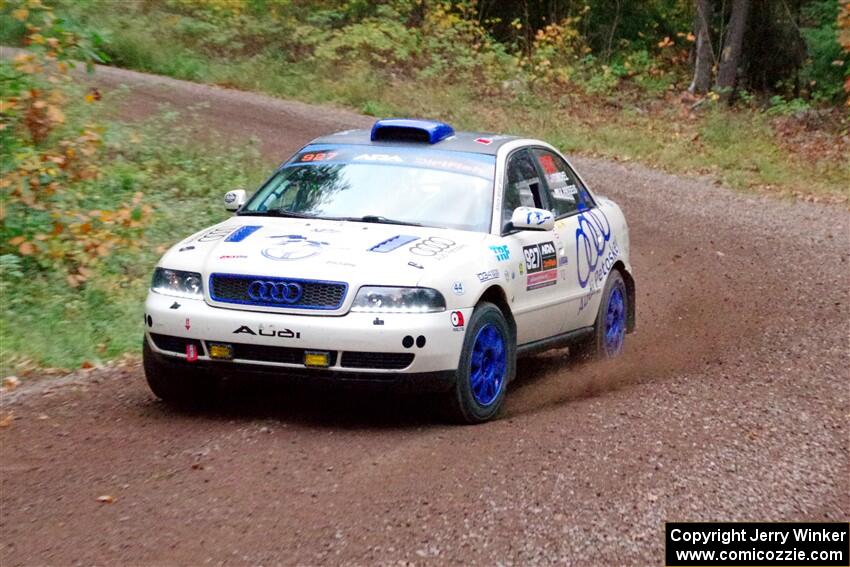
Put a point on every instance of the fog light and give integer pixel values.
(317, 359)
(221, 352)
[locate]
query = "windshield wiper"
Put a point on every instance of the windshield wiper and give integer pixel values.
(380, 220)
(276, 213)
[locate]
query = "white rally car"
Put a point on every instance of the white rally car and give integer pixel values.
(410, 254)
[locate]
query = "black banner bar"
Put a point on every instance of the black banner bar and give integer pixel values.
(761, 544)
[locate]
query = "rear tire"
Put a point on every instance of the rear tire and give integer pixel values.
(609, 330)
(177, 386)
(487, 364)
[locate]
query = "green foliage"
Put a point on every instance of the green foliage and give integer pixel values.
(45, 322)
(827, 64)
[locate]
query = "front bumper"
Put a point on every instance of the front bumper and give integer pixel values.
(357, 343)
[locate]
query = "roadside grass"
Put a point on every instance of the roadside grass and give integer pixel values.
(737, 146)
(46, 323)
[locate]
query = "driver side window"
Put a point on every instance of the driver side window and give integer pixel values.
(522, 187)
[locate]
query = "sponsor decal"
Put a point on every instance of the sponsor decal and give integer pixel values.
(175, 305)
(293, 247)
(185, 248)
(188, 324)
(502, 252)
(452, 165)
(191, 352)
(242, 233)
(522, 267)
(415, 265)
(563, 260)
(541, 261)
(385, 158)
(270, 332)
(232, 257)
(216, 234)
(542, 279)
(457, 320)
(485, 141)
(338, 263)
(457, 288)
(596, 253)
(592, 236)
(434, 246)
(378, 321)
(548, 255)
(565, 192)
(391, 244)
(230, 197)
(489, 275)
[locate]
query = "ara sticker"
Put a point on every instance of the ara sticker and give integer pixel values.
(457, 288)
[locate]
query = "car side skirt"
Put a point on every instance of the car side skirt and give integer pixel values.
(557, 341)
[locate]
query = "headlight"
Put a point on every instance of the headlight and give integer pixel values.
(177, 283)
(398, 300)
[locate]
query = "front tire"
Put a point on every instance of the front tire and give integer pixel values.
(609, 330)
(487, 364)
(177, 386)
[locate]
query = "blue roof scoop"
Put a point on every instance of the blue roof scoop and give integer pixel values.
(410, 130)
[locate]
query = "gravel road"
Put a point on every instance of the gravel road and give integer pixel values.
(731, 403)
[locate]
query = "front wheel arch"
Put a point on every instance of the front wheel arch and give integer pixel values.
(495, 294)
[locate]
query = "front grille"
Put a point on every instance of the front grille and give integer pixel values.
(175, 344)
(232, 288)
(381, 360)
(283, 355)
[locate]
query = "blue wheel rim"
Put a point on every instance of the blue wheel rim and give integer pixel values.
(615, 322)
(488, 365)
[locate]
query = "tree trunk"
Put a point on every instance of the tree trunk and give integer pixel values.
(704, 55)
(730, 55)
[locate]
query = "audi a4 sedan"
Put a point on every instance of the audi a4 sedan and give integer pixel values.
(408, 255)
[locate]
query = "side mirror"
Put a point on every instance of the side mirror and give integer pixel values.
(529, 218)
(234, 199)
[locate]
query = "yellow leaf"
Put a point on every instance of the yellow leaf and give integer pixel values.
(26, 249)
(21, 14)
(106, 498)
(6, 421)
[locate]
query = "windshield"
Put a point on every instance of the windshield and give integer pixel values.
(378, 184)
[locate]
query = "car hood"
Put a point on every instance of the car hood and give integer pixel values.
(352, 252)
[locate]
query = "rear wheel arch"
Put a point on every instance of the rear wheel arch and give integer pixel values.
(630, 293)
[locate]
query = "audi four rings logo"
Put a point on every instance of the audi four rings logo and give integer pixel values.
(275, 292)
(431, 246)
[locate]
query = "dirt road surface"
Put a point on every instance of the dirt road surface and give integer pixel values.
(730, 404)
